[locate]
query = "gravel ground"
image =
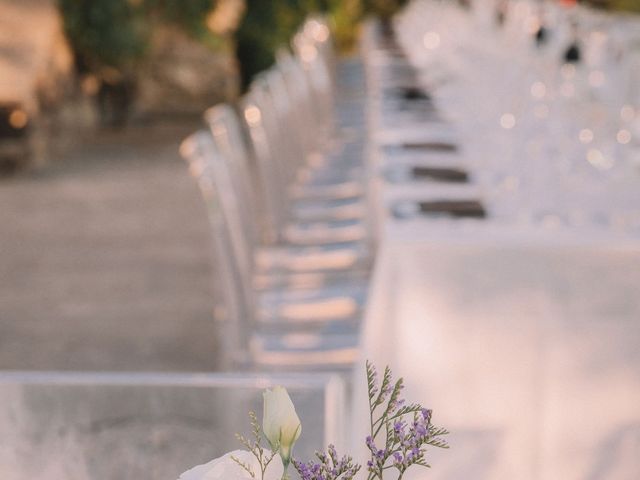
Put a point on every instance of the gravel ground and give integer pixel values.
(104, 259)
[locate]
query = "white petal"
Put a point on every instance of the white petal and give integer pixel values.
(225, 468)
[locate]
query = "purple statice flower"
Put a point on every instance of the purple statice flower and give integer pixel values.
(378, 453)
(370, 444)
(405, 429)
(398, 426)
(329, 467)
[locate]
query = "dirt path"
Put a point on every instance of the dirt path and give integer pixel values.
(104, 259)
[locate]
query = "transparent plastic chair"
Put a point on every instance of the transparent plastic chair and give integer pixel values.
(266, 136)
(324, 314)
(269, 258)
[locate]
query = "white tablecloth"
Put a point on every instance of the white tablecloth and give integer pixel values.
(521, 330)
(528, 355)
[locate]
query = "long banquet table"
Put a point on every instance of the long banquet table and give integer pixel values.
(521, 329)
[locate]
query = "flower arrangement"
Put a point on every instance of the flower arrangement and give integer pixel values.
(399, 436)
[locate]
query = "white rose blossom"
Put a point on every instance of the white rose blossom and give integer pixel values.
(225, 468)
(280, 423)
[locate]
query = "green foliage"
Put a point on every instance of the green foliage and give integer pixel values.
(189, 15)
(345, 16)
(268, 25)
(626, 5)
(104, 33)
(116, 33)
(616, 5)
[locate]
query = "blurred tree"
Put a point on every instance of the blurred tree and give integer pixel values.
(189, 15)
(115, 33)
(345, 16)
(269, 25)
(618, 5)
(626, 5)
(266, 26)
(104, 33)
(110, 38)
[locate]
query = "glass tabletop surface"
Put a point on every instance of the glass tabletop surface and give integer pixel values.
(107, 426)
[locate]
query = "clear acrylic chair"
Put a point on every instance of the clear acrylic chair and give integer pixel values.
(334, 174)
(230, 309)
(319, 79)
(115, 426)
(338, 86)
(317, 170)
(290, 326)
(267, 137)
(317, 264)
(336, 92)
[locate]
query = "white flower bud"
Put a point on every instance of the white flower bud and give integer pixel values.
(280, 422)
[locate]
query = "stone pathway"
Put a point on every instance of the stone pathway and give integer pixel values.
(104, 259)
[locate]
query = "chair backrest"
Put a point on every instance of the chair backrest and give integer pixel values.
(269, 154)
(318, 76)
(308, 119)
(317, 27)
(232, 143)
(289, 128)
(234, 302)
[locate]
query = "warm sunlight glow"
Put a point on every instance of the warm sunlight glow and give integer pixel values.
(18, 119)
(308, 53)
(431, 40)
(623, 137)
(596, 158)
(321, 33)
(252, 115)
(538, 90)
(508, 121)
(585, 135)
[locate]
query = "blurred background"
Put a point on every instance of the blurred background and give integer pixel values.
(97, 256)
(104, 242)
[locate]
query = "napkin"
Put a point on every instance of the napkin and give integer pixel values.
(431, 146)
(441, 174)
(453, 208)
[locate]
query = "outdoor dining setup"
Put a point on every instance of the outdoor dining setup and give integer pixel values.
(502, 249)
(459, 199)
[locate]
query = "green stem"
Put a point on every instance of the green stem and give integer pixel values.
(371, 475)
(285, 464)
